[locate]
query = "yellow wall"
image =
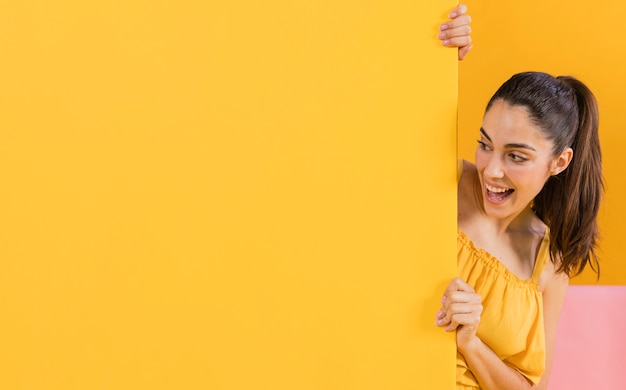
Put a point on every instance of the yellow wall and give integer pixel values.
(240, 195)
(578, 38)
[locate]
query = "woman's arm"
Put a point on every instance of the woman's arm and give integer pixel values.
(461, 311)
(491, 372)
(554, 288)
(456, 32)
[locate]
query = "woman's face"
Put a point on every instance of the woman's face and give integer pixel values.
(513, 160)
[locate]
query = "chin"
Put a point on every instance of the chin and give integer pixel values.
(499, 210)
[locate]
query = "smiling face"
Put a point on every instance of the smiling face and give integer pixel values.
(513, 160)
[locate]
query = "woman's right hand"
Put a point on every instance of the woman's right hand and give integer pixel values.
(461, 308)
(456, 32)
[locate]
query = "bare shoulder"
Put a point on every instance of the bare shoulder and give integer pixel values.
(467, 177)
(468, 167)
(466, 196)
(551, 282)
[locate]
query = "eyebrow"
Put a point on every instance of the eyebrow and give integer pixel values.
(509, 146)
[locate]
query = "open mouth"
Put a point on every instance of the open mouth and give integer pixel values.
(498, 194)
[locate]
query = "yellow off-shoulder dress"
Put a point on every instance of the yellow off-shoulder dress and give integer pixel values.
(511, 323)
(512, 319)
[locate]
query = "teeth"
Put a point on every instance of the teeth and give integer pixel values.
(494, 189)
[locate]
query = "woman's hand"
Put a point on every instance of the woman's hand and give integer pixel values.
(456, 32)
(461, 308)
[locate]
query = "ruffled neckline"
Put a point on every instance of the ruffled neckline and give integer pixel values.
(492, 262)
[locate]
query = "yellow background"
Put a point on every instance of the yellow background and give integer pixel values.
(580, 38)
(225, 195)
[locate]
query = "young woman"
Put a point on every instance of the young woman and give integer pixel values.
(527, 221)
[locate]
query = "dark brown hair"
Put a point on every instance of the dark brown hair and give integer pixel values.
(567, 112)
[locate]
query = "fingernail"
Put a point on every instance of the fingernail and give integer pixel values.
(441, 36)
(445, 43)
(439, 314)
(463, 8)
(443, 27)
(452, 15)
(439, 322)
(443, 299)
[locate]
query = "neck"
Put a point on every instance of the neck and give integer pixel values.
(524, 220)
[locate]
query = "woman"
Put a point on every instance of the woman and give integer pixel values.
(527, 221)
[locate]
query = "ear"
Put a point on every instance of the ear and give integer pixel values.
(561, 161)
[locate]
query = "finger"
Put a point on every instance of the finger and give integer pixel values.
(446, 316)
(461, 297)
(462, 315)
(463, 51)
(461, 21)
(457, 42)
(458, 31)
(462, 308)
(441, 318)
(462, 320)
(454, 293)
(458, 10)
(469, 320)
(443, 321)
(452, 326)
(458, 284)
(460, 301)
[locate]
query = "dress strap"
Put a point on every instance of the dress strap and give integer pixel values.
(543, 256)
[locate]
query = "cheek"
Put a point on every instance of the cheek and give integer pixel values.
(528, 181)
(480, 159)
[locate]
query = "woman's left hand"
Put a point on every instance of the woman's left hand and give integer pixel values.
(456, 32)
(461, 308)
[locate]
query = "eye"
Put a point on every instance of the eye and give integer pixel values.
(517, 158)
(483, 146)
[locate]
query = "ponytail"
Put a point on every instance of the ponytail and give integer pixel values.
(567, 111)
(569, 202)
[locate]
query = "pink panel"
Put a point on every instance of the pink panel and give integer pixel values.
(591, 341)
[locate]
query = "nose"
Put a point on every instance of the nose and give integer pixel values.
(494, 168)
